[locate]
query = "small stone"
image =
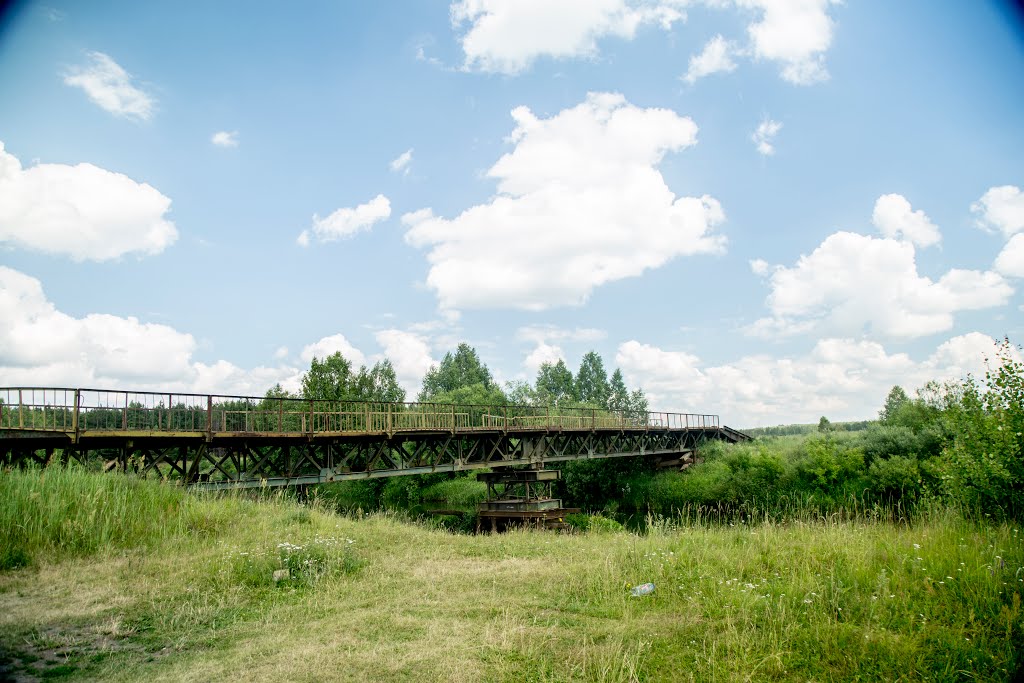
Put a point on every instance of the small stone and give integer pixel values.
(280, 575)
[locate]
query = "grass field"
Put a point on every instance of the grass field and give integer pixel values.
(116, 579)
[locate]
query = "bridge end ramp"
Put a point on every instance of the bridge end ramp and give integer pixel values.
(734, 435)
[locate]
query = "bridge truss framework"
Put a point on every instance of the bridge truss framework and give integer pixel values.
(214, 441)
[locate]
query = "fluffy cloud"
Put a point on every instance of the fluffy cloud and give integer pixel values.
(80, 211)
(541, 354)
(759, 266)
(894, 217)
(1002, 209)
(1011, 259)
(796, 33)
(111, 87)
(40, 346)
(506, 36)
(225, 138)
(580, 203)
(328, 346)
(401, 163)
(410, 354)
(544, 352)
(346, 222)
(764, 135)
(853, 284)
(714, 58)
(842, 379)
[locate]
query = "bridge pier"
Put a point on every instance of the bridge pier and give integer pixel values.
(521, 498)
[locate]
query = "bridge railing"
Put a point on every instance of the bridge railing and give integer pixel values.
(92, 410)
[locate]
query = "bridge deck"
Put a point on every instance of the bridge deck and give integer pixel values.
(229, 441)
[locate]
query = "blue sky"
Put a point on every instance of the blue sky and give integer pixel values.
(767, 209)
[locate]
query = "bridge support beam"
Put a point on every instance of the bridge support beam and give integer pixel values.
(244, 461)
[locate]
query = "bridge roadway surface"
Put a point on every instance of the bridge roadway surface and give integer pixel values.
(213, 441)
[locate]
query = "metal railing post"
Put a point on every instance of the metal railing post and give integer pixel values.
(74, 415)
(209, 417)
(21, 412)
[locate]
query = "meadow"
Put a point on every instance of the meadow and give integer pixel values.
(113, 578)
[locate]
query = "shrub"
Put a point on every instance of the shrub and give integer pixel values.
(896, 478)
(829, 465)
(984, 465)
(882, 442)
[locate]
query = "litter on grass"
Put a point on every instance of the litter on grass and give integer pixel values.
(642, 589)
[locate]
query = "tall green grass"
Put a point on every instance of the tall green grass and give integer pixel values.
(839, 595)
(62, 512)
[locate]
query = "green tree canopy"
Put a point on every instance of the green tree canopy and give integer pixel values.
(555, 383)
(618, 394)
(458, 370)
(520, 393)
(592, 381)
(638, 403)
(332, 379)
(329, 379)
(379, 384)
(893, 402)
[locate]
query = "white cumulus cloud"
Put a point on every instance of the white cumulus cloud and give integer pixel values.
(81, 211)
(401, 163)
(1001, 208)
(545, 352)
(580, 203)
(854, 284)
(1011, 259)
(224, 138)
(843, 379)
(716, 57)
(108, 85)
(346, 222)
(40, 346)
(765, 135)
(894, 218)
(542, 353)
(796, 33)
(506, 36)
(328, 346)
(410, 354)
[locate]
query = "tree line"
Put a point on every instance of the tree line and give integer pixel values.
(463, 379)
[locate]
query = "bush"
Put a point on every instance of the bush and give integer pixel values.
(896, 478)
(881, 442)
(984, 465)
(830, 466)
(597, 484)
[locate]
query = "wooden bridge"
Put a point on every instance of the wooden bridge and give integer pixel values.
(213, 441)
